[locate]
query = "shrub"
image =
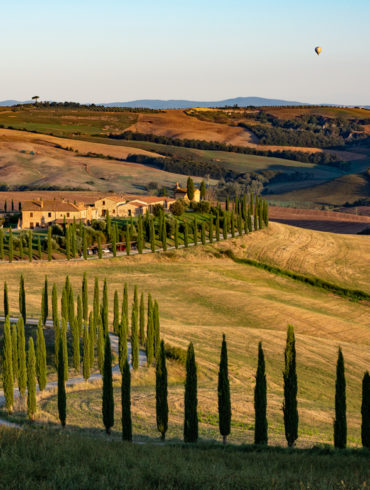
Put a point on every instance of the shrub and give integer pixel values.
(177, 208)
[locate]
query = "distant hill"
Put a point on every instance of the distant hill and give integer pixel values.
(11, 102)
(186, 104)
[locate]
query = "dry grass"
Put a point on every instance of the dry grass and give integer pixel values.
(202, 296)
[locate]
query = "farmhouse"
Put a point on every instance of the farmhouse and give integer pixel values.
(180, 193)
(40, 213)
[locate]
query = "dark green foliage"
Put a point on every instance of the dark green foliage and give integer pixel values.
(150, 333)
(8, 380)
(340, 422)
(21, 249)
(76, 345)
(203, 233)
(115, 313)
(30, 249)
(191, 399)
(290, 390)
(260, 400)
(15, 351)
(134, 339)
(142, 320)
(96, 302)
(84, 244)
(62, 399)
(100, 252)
(39, 247)
(125, 303)
(195, 231)
(100, 347)
(128, 239)
(105, 307)
(161, 392)
(140, 235)
(227, 203)
(10, 246)
(176, 234)
(86, 353)
(45, 302)
(40, 357)
(1, 244)
(71, 304)
(232, 224)
(22, 367)
(224, 402)
(156, 329)
(225, 227)
(365, 411)
(31, 380)
(92, 340)
(49, 244)
(210, 230)
(68, 242)
(126, 402)
(202, 190)
(122, 346)
(190, 188)
(85, 298)
(164, 234)
(152, 235)
(114, 241)
(79, 318)
(22, 299)
(108, 402)
(186, 235)
(63, 337)
(6, 300)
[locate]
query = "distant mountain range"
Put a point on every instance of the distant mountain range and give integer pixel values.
(186, 104)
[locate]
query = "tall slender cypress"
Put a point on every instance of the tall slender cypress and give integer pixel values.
(68, 243)
(85, 298)
(79, 318)
(176, 234)
(150, 333)
(128, 239)
(210, 230)
(156, 329)
(122, 345)
(30, 249)
(6, 300)
(1, 244)
(100, 347)
(105, 307)
(152, 234)
(8, 380)
(224, 402)
(114, 241)
(84, 244)
(203, 233)
(195, 231)
(76, 345)
(39, 249)
(134, 340)
(260, 400)
(96, 302)
(31, 380)
(22, 367)
(21, 247)
(49, 245)
(40, 357)
(62, 399)
(10, 246)
(15, 351)
(92, 340)
(126, 402)
(22, 299)
(290, 390)
(340, 422)
(108, 401)
(161, 393)
(115, 313)
(225, 227)
(365, 411)
(142, 320)
(191, 399)
(63, 336)
(45, 302)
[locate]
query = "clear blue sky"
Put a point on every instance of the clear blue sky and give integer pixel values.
(117, 50)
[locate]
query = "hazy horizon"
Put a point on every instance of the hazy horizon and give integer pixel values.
(112, 52)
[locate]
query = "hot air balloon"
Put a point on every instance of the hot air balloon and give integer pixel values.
(318, 50)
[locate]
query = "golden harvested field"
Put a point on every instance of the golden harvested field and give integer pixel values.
(36, 160)
(202, 295)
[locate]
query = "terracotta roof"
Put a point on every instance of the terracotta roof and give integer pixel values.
(181, 191)
(147, 199)
(41, 205)
(114, 198)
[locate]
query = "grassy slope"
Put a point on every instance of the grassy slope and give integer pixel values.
(69, 461)
(201, 297)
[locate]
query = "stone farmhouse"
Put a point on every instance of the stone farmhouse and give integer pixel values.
(181, 193)
(42, 213)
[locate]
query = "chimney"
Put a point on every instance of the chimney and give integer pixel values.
(41, 203)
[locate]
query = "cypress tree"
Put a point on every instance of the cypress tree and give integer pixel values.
(210, 230)
(203, 233)
(108, 225)
(186, 235)
(161, 392)
(290, 390)
(134, 340)
(244, 207)
(224, 403)
(62, 399)
(340, 422)
(156, 329)
(152, 235)
(126, 402)
(84, 244)
(240, 225)
(22, 299)
(76, 345)
(63, 336)
(30, 250)
(260, 215)
(15, 351)
(54, 303)
(105, 307)
(108, 402)
(125, 302)
(260, 400)
(232, 224)
(128, 239)
(225, 227)
(255, 219)
(5, 206)
(68, 243)
(10, 246)
(176, 234)
(71, 306)
(86, 353)
(122, 346)
(31, 380)
(100, 252)
(73, 239)
(8, 380)
(195, 233)
(100, 347)
(21, 247)
(85, 298)
(92, 340)
(227, 203)
(1, 244)
(6, 300)
(79, 318)
(40, 357)
(190, 189)
(114, 241)
(22, 368)
(202, 190)
(365, 411)
(96, 302)
(140, 237)
(164, 234)
(115, 313)
(249, 221)
(39, 247)
(150, 333)
(191, 400)
(142, 320)
(45, 302)
(49, 244)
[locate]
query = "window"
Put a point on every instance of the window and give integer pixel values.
(31, 225)
(114, 211)
(67, 215)
(49, 215)
(103, 203)
(31, 215)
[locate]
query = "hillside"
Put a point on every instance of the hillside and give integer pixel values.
(203, 294)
